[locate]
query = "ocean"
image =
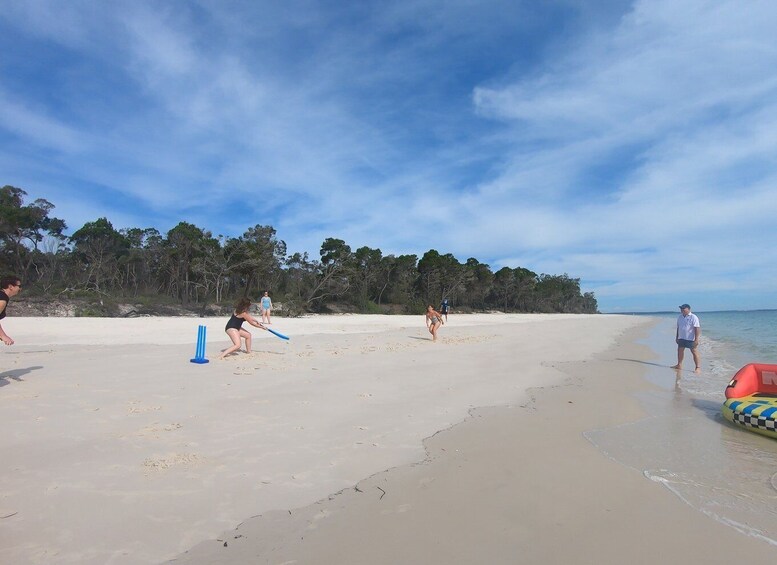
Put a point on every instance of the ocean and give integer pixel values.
(684, 443)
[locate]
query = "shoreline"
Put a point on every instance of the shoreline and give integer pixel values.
(476, 497)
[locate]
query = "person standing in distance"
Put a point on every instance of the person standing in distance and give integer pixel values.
(687, 337)
(444, 308)
(265, 305)
(10, 286)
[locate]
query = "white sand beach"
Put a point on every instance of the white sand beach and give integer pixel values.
(117, 450)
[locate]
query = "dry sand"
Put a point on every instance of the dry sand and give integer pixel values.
(116, 449)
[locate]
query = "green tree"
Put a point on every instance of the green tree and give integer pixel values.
(589, 303)
(190, 264)
(183, 244)
(333, 277)
(300, 277)
(367, 269)
(23, 228)
(440, 276)
(402, 276)
(98, 248)
(257, 257)
(141, 265)
(504, 287)
(558, 293)
(514, 290)
(211, 268)
(525, 285)
(478, 283)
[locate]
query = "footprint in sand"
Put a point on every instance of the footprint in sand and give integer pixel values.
(320, 516)
(134, 408)
(470, 339)
(425, 482)
(156, 428)
(402, 508)
(174, 460)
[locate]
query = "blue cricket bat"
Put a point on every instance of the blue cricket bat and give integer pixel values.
(279, 334)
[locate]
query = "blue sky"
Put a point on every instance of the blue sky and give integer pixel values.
(630, 144)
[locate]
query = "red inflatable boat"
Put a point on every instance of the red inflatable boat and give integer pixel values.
(751, 399)
(751, 379)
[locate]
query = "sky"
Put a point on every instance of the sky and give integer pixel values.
(630, 144)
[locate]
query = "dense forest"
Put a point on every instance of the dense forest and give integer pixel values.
(191, 267)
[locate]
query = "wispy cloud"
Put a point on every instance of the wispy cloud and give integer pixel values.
(630, 144)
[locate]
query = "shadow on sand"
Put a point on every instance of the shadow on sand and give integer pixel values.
(16, 374)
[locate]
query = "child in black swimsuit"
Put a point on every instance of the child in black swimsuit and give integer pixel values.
(234, 327)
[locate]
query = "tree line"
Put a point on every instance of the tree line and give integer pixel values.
(191, 267)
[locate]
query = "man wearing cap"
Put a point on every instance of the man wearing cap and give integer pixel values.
(687, 337)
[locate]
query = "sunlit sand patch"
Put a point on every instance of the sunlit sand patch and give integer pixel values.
(467, 339)
(175, 460)
(155, 429)
(134, 408)
(396, 347)
(241, 355)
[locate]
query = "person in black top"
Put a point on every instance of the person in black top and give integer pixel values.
(10, 287)
(234, 327)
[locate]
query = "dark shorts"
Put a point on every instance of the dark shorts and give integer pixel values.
(686, 343)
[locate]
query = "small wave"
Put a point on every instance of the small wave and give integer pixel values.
(719, 503)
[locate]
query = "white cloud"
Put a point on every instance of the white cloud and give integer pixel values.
(627, 152)
(690, 84)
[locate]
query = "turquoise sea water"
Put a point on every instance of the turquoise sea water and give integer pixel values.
(725, 472)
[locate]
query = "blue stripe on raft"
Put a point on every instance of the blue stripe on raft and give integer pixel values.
(746, 407)
(742, 408)
(769, 413)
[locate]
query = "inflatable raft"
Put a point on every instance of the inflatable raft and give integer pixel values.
(751, 399)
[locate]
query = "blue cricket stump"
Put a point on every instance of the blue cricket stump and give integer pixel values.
(199, 354)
